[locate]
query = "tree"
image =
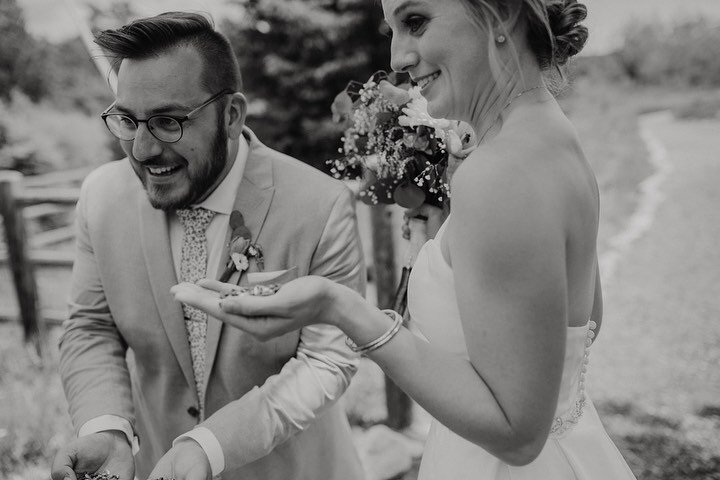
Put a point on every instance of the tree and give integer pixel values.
(295, 56)
(21, 57)
(75, 83)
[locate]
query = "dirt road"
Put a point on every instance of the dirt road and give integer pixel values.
(660, 341)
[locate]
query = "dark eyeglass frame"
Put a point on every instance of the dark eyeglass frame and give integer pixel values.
(180, 120)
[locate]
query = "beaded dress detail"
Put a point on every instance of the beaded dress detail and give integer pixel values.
(563, 422)
(578, 446)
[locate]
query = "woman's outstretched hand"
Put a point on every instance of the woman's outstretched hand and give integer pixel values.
(301, 302)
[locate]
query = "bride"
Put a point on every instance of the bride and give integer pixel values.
(507, 294)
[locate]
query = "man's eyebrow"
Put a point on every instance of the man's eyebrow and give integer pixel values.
(170, 107)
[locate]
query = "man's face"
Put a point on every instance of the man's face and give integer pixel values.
(175, 175)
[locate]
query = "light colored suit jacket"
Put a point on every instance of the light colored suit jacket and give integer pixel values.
(124, 350)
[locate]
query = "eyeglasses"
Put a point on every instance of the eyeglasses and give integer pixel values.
(165, 128)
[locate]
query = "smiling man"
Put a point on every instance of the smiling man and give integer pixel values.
(158, 388)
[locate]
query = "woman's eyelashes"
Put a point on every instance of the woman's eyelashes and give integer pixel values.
(414, 23)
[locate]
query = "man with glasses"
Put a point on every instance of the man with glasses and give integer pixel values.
(158, 388)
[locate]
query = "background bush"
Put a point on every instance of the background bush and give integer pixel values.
(39, 137)
(686, 54)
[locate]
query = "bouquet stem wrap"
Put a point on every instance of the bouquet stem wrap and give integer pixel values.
(418, 237)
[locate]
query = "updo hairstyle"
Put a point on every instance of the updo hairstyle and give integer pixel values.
(554, 30)
(560, 35)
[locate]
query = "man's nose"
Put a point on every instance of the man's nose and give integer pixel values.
(145, 146)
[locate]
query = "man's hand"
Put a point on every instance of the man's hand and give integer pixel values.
(185, 461)
(95, 453)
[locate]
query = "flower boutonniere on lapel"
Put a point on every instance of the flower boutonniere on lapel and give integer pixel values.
(242, 250)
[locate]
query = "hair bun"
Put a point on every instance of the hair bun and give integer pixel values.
(570, 36)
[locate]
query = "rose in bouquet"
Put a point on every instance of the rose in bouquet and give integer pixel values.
(401, 154)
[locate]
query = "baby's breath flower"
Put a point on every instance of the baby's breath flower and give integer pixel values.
(392, 136)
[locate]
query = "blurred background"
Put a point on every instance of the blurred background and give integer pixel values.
(644, 96)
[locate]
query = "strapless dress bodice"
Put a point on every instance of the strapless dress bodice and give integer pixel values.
(577, 448)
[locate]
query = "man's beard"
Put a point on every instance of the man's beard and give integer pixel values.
(201, 181)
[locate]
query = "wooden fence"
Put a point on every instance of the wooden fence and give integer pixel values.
(26, 199)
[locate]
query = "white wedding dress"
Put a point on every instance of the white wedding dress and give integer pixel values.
(578, 446)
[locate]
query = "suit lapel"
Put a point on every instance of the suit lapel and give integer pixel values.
(155, 240)
(253, 201)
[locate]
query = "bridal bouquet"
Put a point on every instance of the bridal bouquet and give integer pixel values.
(392, 144)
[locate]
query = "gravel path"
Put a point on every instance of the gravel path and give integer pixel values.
(660, 342)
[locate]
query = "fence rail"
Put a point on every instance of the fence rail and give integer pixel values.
(58, 196)
(49, 317)
(23, 199)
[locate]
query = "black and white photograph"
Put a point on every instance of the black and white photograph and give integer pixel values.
(359, 240)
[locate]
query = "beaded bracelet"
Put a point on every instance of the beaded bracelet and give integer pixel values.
(382, 339)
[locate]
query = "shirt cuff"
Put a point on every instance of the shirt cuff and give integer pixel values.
(210, 444)
(103, 423)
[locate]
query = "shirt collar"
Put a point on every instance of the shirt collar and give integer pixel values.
(222, 199)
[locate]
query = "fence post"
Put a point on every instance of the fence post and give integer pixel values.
(20, 265)
(397, 402)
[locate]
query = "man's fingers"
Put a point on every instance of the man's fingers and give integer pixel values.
(65, 473)
(62, 466)
(160, 471)
(197, 472)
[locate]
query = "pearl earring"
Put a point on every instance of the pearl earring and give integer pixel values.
(500, 39)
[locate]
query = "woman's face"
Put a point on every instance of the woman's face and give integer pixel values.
(444, 51)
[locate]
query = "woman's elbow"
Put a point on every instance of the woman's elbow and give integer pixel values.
(521, 449)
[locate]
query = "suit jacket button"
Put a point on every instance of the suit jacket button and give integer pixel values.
(193, 411)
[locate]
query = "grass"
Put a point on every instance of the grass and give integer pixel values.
(33, 421)
(657, 445)
(662, 447)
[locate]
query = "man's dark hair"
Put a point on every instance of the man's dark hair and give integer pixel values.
(154, 36)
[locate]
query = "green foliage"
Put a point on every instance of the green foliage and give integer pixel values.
(21, 56)
(295, 56)
(47, 92)
(681, 55)
(41, 138)
(74, 82)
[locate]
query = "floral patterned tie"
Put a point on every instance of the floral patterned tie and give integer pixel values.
(192, 268)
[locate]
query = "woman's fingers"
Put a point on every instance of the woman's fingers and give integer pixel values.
(197, 296)
(250, 306)
(217, 286)
(262, 328)
(236, 321)
(215, 302)
(254, 315)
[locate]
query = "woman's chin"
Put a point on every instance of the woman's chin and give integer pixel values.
(437, 109)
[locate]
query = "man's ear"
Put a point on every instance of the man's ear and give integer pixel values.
(235, 115)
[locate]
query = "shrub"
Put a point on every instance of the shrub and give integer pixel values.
(41, 138)
(680, 55)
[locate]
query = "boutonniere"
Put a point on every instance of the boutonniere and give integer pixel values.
(242, 249)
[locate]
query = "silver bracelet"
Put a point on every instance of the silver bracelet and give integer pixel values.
(382, 339)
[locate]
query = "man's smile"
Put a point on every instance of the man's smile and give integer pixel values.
(163, 171)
